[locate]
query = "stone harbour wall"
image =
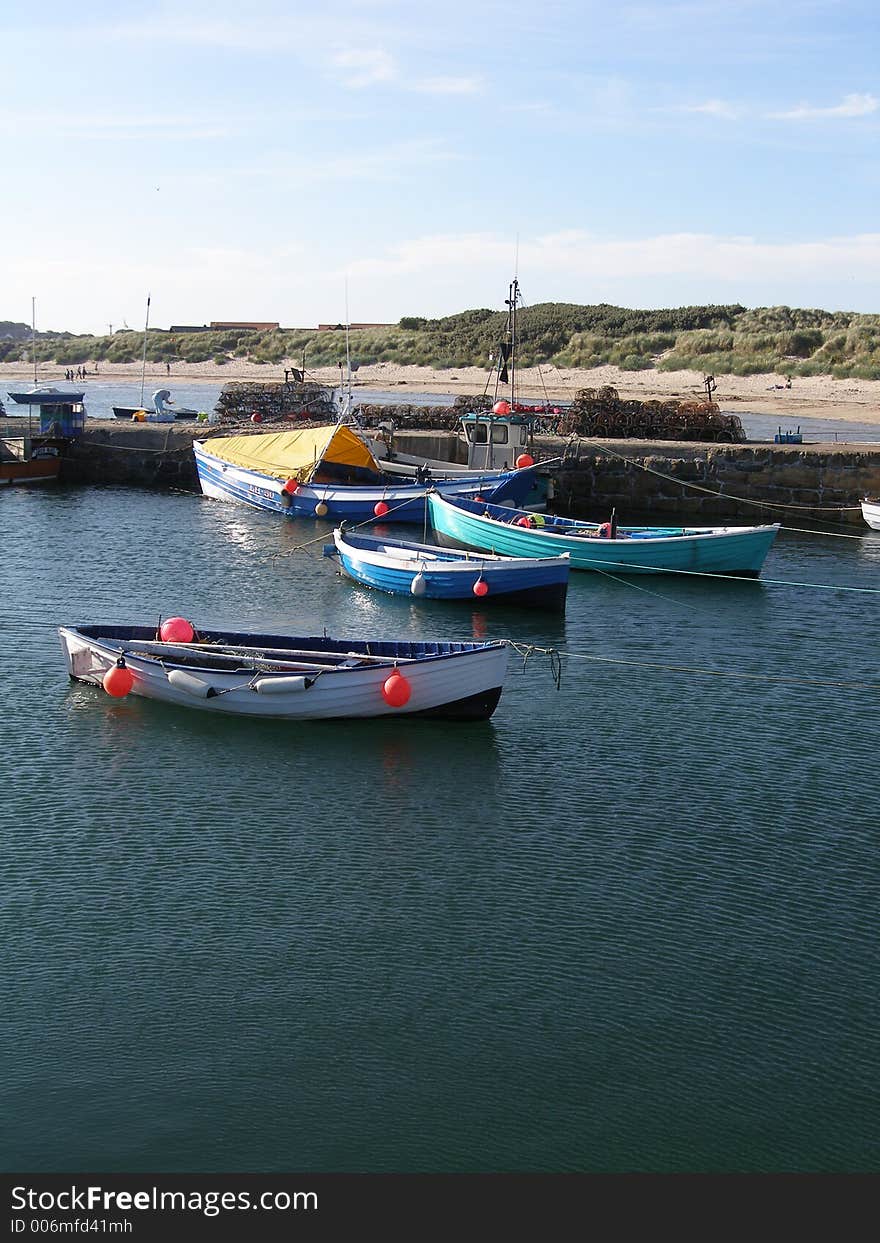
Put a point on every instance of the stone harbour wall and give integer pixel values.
(754, 483)
(706, 482)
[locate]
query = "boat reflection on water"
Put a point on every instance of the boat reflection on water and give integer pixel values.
(385, 765)
(406, 760)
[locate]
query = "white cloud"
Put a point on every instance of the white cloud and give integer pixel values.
(854, 105)
(364, 67)
(713, 108)
(359, 67)
(583, 256)
(446, 86)
(296, 282)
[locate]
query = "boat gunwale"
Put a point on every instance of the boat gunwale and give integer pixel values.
(573, 530)
(117, 646)
(446, 560)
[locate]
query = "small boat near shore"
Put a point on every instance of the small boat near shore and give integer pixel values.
(330, 472)
(132, 412)
(49, 397)
(432, 573)
(739, 551)
(241, 673)
(163, 409)
(871, 512)
(23, 461)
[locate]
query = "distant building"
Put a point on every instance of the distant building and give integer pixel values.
(341, 327)
(234, 323)
(189, 328)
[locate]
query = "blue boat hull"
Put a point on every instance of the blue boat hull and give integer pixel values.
(739, 551)
(533, 585)
(349, 502)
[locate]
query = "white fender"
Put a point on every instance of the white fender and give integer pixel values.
(280, 686)
(189, 682)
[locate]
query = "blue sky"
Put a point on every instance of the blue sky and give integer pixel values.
(275, 161)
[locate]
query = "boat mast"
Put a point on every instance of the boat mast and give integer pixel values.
(347, 350)
(514, 297)
(34, 337)
(144, 360)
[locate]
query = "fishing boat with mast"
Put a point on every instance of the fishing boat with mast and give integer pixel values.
(161, 399)
(497, 434)
(331, 472)
(505, 432)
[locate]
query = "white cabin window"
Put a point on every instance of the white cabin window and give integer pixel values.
(478, 433)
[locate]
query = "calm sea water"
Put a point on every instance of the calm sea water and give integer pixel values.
(629, 924)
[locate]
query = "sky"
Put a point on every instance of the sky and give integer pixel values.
(371, 159)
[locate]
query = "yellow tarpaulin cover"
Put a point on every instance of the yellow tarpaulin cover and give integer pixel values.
(294, 453)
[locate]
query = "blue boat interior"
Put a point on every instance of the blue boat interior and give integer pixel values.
(204, 640)
(375, 543)
(555, 525)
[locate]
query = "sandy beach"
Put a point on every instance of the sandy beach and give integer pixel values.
(808, 397)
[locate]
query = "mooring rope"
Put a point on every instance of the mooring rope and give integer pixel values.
(357, 526)
(732, 578)
(527, 650)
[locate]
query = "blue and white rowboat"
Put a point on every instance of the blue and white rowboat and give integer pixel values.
(433, 573)
(739, 551)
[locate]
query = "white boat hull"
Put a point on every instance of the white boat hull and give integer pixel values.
(455, 684)
(871, 514)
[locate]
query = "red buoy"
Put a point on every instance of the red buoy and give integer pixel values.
(524, 460)
(118, 680)
(176, 630)
(481, 587)
(256, 417)
(524, 521)
(501, 407)
(291, 486)
(396, 690)
(380, 509)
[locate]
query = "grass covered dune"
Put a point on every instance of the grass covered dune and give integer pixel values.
(829, 359)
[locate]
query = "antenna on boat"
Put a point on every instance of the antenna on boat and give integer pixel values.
(144, 360)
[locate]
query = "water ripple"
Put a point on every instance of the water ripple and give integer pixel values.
(628, 924)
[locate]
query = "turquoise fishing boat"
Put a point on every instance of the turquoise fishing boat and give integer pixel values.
(605, 547)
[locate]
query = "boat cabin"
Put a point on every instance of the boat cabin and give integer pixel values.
(495, 441)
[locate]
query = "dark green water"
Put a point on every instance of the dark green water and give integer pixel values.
(626, 925)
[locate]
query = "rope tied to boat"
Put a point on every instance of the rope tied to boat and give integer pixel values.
(527, 650)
